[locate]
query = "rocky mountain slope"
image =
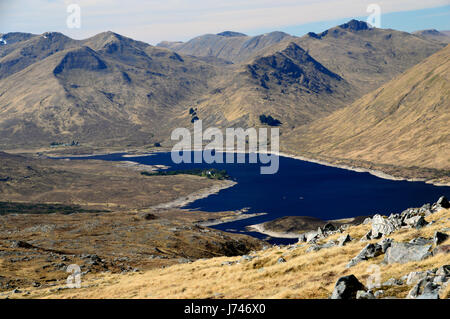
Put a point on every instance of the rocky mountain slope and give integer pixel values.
(108, 89)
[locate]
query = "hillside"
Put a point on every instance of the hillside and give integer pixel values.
(106, 90)
(403, 123)
(304, 270)
(288, 84)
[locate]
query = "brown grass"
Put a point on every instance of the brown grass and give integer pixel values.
(304, 275)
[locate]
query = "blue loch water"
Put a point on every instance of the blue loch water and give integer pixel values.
(299, 188)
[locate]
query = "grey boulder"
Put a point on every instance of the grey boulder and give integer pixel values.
(346, 288)
(439, 238)
(406, 252)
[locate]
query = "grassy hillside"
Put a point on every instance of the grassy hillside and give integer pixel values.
(304, 274)
(403, 123)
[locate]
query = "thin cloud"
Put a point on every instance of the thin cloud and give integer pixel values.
(156, 20)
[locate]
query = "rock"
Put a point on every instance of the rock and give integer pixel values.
(439, 238)
(385, 244)
(367, 236)
(443, 271)
(344, 239)
(370, 251)
(361, 294)
(313, 248)
(302, 238)
(246, 258)
(366, 221)
(16, 291)
(149, 216)
(312, 236)
(381, 226)
(416, 222)
(346, 288)
(430, 291)
(329, 227)
(421, 241)
(281, 260)
(443, 249)
(184, 261)
(227, 263)
(393, 282)
(378, 293)
(20, 244)
(406, 252)
(415, 276)
(443, 202)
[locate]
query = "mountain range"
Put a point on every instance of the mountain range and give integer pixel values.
(111, 90)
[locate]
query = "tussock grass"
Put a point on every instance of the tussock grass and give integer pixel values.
(303, 275)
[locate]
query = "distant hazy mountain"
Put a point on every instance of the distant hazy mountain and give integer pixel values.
(433, 34)
(232, 46)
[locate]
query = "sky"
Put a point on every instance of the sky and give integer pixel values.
(153, 21)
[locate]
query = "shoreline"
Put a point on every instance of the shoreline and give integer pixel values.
(259, 228)
(240, 215)
(184, 200)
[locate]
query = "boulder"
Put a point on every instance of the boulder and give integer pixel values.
(406, 252)
(385, 244)
(312, 236)
(416, 222)
(361, 294)
(393, 282)
(415, 276)
(346, 288)
(439, 238)
(370, 251)
(302, 238)
(329, 227)
(430, 291)
(443, 202)
(443, 271)
(382, 226)
(344, 239)
(367, 236)
(421, 241)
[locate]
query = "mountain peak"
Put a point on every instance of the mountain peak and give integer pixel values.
(231, 34)
(355, 25)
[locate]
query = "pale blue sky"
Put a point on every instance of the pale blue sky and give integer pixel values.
(156, 20)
